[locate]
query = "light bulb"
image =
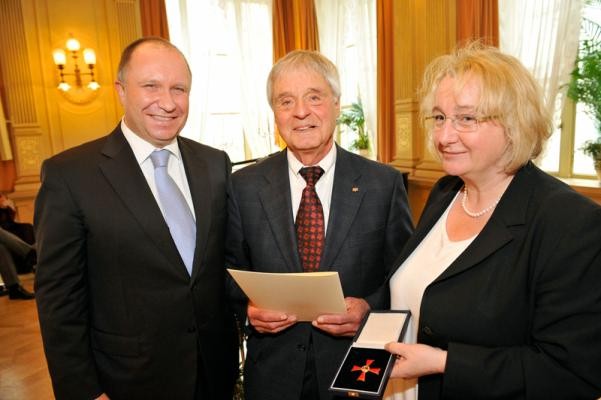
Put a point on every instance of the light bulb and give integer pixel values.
(93, 85)
(89, 56)
(64, 86)
(60, 58)
(72, 44)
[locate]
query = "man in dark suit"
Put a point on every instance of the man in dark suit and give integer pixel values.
(362, 220)
(125, 311)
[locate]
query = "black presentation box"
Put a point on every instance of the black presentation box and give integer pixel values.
(366, 367)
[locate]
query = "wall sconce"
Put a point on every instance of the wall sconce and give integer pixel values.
(89, 58)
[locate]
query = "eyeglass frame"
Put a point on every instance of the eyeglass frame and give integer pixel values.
(454, 123)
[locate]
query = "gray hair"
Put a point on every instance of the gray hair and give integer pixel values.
(312, 60)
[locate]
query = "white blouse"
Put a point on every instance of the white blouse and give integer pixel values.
(430, 259)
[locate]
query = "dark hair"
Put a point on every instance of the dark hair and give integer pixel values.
(129, 51)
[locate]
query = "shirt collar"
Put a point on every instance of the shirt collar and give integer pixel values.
(142, 148)
(326, 163)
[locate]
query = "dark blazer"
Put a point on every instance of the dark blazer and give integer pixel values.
(118, 311)
(519, 311)
(368, 224)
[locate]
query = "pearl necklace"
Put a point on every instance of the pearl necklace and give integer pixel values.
(479, 213)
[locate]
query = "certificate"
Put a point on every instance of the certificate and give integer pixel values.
(305, 294)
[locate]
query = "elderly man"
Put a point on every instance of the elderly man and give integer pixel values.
(311, 207)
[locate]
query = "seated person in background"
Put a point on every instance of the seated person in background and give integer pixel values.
(8, 211)
(24, 231)
(503, 271)
(12, 284)
(21, 251)
(8, 220)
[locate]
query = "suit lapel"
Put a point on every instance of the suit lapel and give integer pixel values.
(437, 204)
(347, 194)
(200, 189)
(511, 211)
(124, 174)
(275, 199)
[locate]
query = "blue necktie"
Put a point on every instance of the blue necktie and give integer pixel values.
(177, 214)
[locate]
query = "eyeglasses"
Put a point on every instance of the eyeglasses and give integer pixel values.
(461, 122)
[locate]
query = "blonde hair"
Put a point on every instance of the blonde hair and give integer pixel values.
(507, 91)
(311, 60)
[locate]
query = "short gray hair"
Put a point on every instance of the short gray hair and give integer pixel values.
(312, 60)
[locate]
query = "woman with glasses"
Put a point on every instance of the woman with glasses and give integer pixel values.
(503, 273)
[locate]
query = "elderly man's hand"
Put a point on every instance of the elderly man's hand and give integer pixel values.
(344, 324)
(268, 321)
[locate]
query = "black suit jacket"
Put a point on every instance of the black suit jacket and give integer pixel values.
(519, 311)
(368, 224)
(118, 311)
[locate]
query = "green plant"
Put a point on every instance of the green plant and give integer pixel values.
(592, 148)
(354, 118)
(585, 85)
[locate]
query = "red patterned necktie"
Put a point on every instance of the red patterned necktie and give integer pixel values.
(309, 221)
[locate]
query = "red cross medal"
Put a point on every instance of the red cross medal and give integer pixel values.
(365, 369)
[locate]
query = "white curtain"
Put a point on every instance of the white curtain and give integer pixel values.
(348, 37)
(255, 64)
(228, 44)
(189, 20)
(543, 34)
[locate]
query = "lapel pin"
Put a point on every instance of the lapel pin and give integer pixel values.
(355, 189)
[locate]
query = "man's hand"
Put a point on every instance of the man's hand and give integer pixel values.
(344, 324)
(267, 321)
(415, 360)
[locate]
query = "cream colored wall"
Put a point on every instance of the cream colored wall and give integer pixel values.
(43, 120)
(423, 30)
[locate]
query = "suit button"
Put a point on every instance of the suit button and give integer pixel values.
(427, 330)
(192, 329)
(301, 347)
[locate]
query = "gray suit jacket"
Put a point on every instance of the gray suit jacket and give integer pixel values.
(369, 223)
(118, 311)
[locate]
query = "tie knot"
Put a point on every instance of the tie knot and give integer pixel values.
(311, 174)
(159, 158)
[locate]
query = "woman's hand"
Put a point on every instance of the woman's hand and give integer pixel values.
(415, 360)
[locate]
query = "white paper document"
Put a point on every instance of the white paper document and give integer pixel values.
(305, 294)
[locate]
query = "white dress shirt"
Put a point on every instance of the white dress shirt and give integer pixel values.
(429, 259)
(323, 187)
(175, 168)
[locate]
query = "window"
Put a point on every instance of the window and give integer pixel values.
(544, 35)
(348, 37)
(584, 127)
(228, 44)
